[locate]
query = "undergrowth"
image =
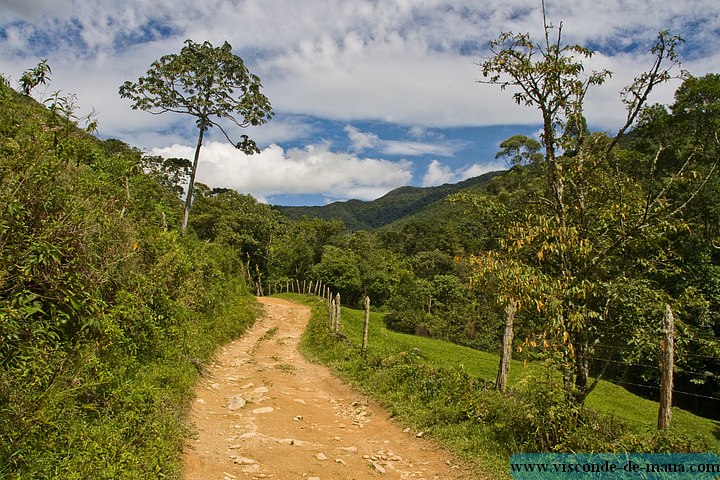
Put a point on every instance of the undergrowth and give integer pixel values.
(106, 313)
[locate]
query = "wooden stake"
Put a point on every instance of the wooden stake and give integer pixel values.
(337, 312)
(364, 347)
(331, 311)
(506, 353)
(668, 360)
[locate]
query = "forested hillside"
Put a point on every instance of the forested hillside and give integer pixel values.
(106, 312)
(393, 206)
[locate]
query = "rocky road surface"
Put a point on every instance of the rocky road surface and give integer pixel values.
(263, 412)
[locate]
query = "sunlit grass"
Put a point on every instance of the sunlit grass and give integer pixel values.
(469, 439)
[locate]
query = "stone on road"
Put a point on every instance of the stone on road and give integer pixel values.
(267, 413)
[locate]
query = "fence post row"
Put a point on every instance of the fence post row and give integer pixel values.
(317, 288)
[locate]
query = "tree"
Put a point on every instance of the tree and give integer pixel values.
(209, 83)
(603, 215)
(339, 270)
(300, 246)
(228, 217)
(520, 150)
(548, 77)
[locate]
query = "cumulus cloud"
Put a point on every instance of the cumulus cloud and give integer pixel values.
(312, 170)
(408, 63)
(360, 141)
(438, 173)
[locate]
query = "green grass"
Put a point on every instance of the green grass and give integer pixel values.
(606, 398)
(419, 396)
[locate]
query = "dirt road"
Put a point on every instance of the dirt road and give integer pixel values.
(262, 411)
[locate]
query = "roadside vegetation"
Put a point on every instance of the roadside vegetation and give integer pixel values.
(447, 391)
(107, 313)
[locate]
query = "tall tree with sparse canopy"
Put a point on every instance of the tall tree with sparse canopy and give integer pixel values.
(209, 83)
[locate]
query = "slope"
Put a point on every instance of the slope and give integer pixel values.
(395, 205)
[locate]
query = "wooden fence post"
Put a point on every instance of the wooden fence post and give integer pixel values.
(331, 314)
(337, 312)
(364, 347)
(668, 360)
(504, 367)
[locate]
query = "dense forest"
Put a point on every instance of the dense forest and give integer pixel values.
(108, 310)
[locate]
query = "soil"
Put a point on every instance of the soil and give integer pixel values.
(262, 411)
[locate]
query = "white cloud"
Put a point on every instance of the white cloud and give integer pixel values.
(367, 140)
(313, 170)
(360, 141)
(418, 132)
(408, 62)
(409, 148)
(438, 173)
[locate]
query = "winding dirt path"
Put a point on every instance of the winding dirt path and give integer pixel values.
(263, 412)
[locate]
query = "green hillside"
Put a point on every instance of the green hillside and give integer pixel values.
(106, 312)
(398, 204)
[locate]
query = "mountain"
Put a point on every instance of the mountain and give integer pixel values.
(393, 206)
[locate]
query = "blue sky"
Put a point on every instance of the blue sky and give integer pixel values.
(368, 95)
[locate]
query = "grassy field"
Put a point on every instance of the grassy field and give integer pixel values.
(442, 388)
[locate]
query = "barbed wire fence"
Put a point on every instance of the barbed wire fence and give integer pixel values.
(331, 298)
(670, 370)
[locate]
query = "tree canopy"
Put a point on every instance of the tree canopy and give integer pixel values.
(209, 83)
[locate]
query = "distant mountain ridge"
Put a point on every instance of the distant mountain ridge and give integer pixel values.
(399, 203)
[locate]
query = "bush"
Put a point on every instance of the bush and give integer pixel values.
(105, 314)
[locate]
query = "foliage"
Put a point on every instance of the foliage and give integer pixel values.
(338, 269)
(520, 150)
(65, 107)
(105, 315)
(39, 75)
(602, 219)
(238, 221)
(208, 83)
(300, 246)
(439, 388)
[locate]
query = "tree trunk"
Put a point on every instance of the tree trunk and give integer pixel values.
(668, 360)
(191, 185)
(506, 353)
(582, 365)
